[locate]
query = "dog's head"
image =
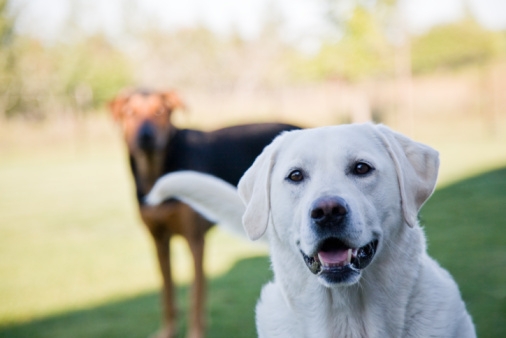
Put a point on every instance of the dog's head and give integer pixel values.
(333, 196)
(144, 117)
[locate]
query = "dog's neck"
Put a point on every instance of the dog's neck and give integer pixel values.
(148, 168)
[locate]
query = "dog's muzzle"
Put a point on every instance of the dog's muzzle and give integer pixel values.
(334, 260)
(146, 137)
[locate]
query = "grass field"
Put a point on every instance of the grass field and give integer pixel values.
(75, 260)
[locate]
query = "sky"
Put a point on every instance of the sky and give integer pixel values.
(302, 18)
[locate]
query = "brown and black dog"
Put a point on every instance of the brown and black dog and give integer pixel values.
(157, 147)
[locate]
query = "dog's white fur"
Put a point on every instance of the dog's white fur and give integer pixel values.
(401, 293)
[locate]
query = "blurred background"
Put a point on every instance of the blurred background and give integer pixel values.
(75, 260)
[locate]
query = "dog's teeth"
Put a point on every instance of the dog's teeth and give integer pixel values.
(348, 260)
(322, 261)
(354, 252)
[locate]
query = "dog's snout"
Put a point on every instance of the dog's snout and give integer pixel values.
(146, 136)
(328, 209)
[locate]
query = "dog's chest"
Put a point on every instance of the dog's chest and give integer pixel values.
(303, 317)
(338, 324)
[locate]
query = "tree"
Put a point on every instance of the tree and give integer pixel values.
(7, 59)
(358, 45)
(456, 45)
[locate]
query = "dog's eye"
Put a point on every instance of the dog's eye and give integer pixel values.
(296, 176)
(362, 168)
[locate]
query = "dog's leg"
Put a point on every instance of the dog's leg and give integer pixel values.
(197, 311)
(162, 243)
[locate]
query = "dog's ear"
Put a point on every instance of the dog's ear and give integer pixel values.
(254, 190)
(417, 168)
(173, 101)
(116, 106)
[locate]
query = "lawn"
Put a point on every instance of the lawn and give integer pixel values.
(75, 260)
(464, 223)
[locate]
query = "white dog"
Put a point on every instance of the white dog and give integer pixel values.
(339, 208)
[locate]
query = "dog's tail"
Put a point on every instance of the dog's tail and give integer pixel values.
(210, 196)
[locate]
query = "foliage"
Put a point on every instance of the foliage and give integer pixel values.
(63, 77)
(361, 52)
(369, 36)
(93, 63)
(7, 58)
(38, 80)
(456, 45)
(83, 71)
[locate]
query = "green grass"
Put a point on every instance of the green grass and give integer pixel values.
(71, 239)
(75, 260)
(138, 316)
(465, 224)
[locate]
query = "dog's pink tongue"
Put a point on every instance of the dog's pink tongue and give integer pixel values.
(334, 257)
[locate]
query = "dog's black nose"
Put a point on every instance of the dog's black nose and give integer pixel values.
(328, 209)
(146, 137)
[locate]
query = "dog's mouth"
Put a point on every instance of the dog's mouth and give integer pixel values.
(335, 261)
